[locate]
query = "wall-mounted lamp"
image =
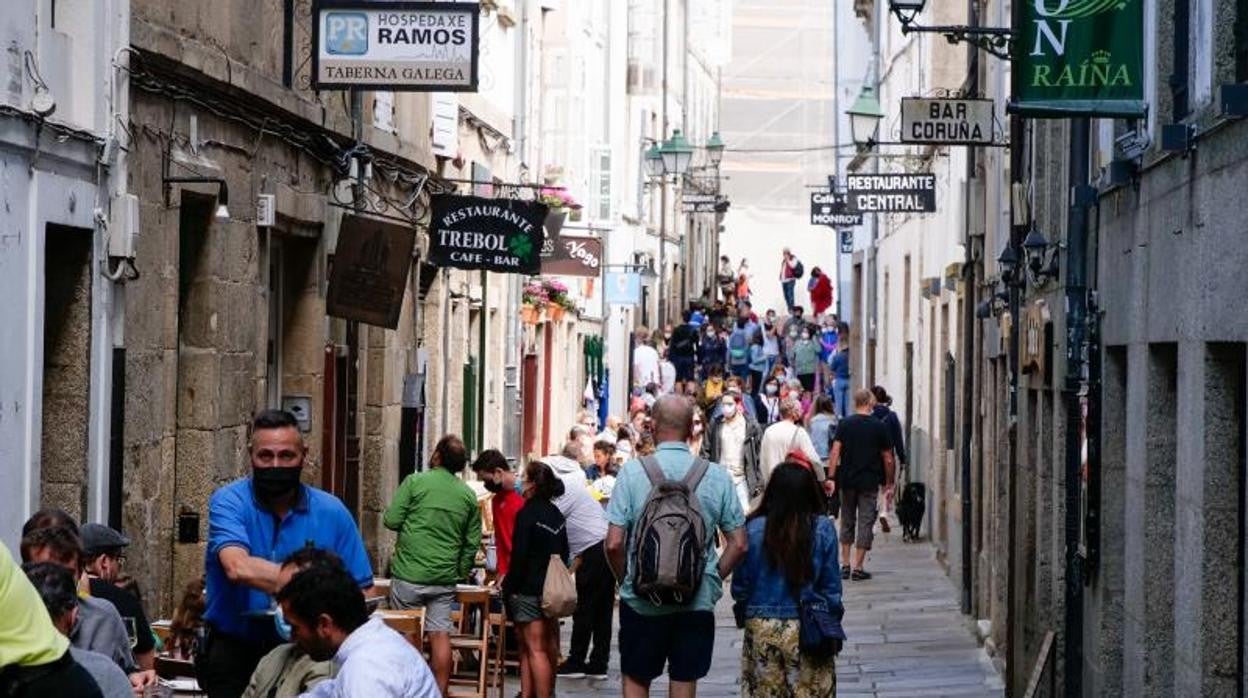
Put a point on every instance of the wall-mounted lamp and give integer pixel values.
(223, 193)
(1007, 264)
(1037, 249)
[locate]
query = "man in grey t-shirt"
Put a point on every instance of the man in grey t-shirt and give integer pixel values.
(60, 595)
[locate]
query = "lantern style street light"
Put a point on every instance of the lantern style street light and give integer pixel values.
(864, 117)
(654, 161)
(906, 10)
(715, 149)
(677, 154)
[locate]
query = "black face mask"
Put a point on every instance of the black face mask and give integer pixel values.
(274, 483)
(492, 486)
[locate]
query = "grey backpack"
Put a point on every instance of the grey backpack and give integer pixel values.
(670, 539)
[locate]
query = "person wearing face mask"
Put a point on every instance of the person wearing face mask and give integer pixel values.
(712, 352)
(495, 473)
(254, 524)
(769, 405)
(806, 359)
(733, 442)
(288, 671)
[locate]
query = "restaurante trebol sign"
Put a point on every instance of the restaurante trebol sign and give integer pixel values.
(1079, 58)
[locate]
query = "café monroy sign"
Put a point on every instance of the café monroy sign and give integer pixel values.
(891, 193)
(828, 208)
(947, 121)
(1079, 58)
(472, 232)
(401, 46)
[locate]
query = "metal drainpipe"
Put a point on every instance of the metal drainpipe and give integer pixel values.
(968, 339)
(1076, 332)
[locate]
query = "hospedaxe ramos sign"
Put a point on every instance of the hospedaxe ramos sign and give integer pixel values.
(399, 46)
(1079, 58)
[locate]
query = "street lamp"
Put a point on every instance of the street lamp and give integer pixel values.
(864, 117)
(1007, 263)
(654, 161)
(1035, 246)
(677, 154)
(906, 10)
(715, 149)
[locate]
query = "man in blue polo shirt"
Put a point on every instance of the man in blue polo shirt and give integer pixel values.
(253, 525)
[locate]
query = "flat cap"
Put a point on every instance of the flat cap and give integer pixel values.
(98, 538)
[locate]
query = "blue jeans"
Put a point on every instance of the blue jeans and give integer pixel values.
(840, 393)
(787, 287)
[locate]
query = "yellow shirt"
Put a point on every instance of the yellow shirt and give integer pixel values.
(27, 636)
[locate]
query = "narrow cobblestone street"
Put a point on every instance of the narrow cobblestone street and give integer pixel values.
(906, 637)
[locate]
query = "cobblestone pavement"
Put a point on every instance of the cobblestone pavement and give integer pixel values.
(906, 637)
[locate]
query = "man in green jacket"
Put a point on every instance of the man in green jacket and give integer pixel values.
(439, 528)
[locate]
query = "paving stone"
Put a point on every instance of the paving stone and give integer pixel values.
(907, 637)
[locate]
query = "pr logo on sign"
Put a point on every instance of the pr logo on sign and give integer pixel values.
(346, 33)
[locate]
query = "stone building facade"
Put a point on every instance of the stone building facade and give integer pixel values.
(59, 177)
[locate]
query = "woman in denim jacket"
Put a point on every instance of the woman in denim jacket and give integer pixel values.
(792, 547)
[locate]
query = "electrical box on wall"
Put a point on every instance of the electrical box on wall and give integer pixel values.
(301, 407)
(123, 225)
(266, 210)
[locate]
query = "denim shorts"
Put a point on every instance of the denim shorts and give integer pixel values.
(524, 609)
(436, 600)
(682, 641)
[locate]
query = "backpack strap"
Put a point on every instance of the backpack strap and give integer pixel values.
(651, 465)
(696, 472)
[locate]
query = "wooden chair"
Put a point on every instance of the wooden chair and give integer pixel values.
(472, 638)
(498, 652)
(408, 623)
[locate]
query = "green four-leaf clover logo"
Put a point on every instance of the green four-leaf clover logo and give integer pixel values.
(521, 246)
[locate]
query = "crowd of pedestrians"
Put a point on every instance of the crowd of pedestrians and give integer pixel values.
(741, 444)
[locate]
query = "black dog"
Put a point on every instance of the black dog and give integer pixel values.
(910, 510)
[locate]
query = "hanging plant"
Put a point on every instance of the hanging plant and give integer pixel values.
(558, 199)
(535, 294)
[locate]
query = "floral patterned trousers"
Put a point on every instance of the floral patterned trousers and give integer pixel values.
(773, 667)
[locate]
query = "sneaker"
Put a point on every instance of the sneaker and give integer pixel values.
(571, 670)
(860, 575)
(598, 673)
(845, 572)
(884, 525)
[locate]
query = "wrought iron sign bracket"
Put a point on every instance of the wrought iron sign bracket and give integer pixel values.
(997, 41)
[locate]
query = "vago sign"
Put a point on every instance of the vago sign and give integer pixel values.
(1079, 58)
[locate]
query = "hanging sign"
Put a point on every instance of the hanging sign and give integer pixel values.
(891, 193)
(471, 232)
(828, 209)
(369, 272)
(1079, 58)
(847, 242)
(700, 203)
(622, 288)
(572, 256)
(401, 46)
(946, 121)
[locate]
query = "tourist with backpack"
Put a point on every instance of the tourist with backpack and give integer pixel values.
(664, 514)
(791, 270)
(712, 351)
(739, 349)
(788, 592)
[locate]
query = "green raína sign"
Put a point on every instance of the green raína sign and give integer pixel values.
(1079, 58)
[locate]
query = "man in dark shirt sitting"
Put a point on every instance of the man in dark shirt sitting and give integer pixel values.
(105, 552)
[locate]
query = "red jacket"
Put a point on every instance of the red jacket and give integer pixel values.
(821, 294)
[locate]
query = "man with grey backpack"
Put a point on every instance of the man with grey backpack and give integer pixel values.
(664, 513)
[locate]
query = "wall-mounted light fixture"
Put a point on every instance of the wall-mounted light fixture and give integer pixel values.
(223, 193)
(1041, 257)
